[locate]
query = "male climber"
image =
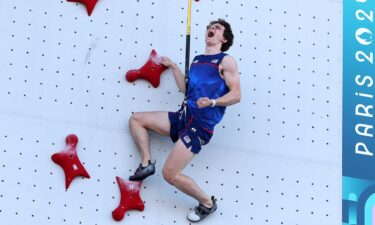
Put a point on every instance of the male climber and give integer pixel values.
(213, 84)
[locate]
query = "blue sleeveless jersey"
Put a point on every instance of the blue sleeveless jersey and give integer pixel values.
(205, 81)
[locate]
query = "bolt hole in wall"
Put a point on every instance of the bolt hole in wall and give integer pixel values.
(275, 158)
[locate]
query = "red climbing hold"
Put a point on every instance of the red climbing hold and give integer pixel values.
(151, 71)
(130, 198)
(90, 4)
(69, 161)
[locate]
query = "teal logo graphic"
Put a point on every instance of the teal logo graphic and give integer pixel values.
(363, 36)
(358, 124)
(358, 205)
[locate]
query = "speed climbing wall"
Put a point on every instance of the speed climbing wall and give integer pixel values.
(274, 159)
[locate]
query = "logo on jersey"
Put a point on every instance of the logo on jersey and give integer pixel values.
(187, 139)
(215, 61)
(195, 61)
(201, 141)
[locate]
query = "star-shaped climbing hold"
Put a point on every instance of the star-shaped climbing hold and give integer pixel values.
(130, 198)
(69, 161)
(151, 71)
(90, 4)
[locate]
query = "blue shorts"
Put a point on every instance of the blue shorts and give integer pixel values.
(191, 132)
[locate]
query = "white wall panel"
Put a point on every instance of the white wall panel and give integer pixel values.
(274, 159)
